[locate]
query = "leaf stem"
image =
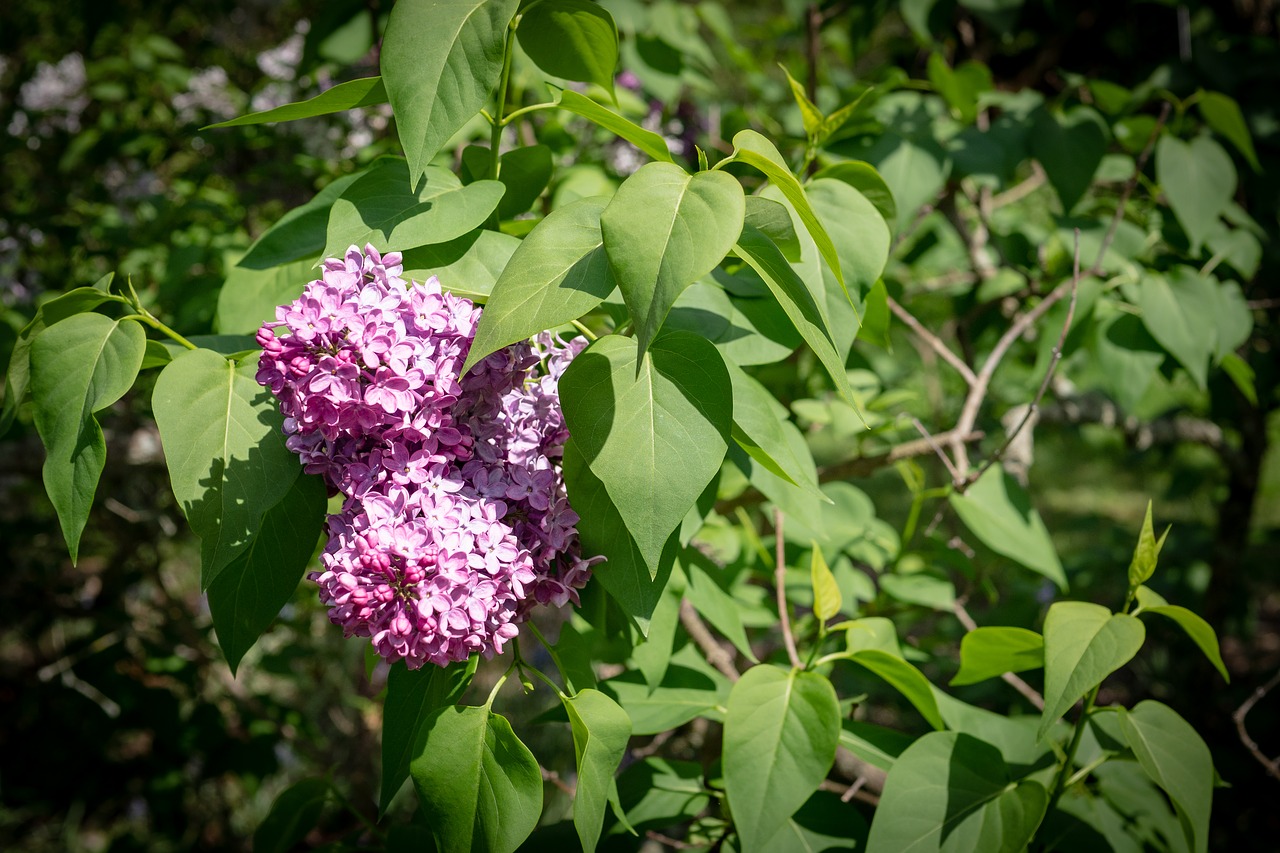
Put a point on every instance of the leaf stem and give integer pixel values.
(779, 580)
(1060, 784)
(495, 134)
(493, 694)
(587, 333)
(144, 316)
(555, 658)
(532, 108)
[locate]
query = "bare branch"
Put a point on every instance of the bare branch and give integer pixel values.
(843, 790)
(933, 445)
(779, 580)
(1009, 678)
(1019, 192)
(716, 654)
(1271, 764)
(554, 778)
(935, 343)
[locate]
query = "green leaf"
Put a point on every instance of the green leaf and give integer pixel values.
(602, 531)
(996, 510)
(601, 730)
(720, 608)
(797, 301)
(654, 431)
(1199, 181)
(383, 208)
(559, 272)
(915, 169)
(683, 695)
(780, 736)
(573, 39)
(78, 367)
(1176, 758)
(761, 154)
(922, 588)
(247, 596)
(441, 59)
(660, 792)
(1178, 309)
(757, 428)
(952, 792)
(365, 92)
(1223, 114)
(478, 786)
(1070, 146)
(646, 140)
(18, 375)
(774, 221)
(1145, 554)
(293, 814)
(225, 450)
(876, 745)
(824, 824)
(1083, 644)
(468, 266)
(525, 172)
(665, 229)
(858, 232)
(810, 115)
(1236, 368)
(961, 87)
(827, 599)
(1200, 631)
(864, 178)
(412, 696)
(904, 678)
(991, 652)
(299, 234)
(653, 656)
(249, 297)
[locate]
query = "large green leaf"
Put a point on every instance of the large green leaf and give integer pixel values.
(1180, 309)
(78, 367)
(683, 695)
(384, 209)
(226, 455)
(1200, 631)
(412, 696)
(780, 736)
(858, 232)
(440, 61)
(757, 428)
(1223, 114)
(653, 430)
(1199, 180)
(300, 233)
(665, 229)
(795, 298)
(1176, 758)
(952, 792)
(467, 266)
(652, 656)
(991, 652)
(751, 148)
(824, 824)
(573, 39)
(601, 730)
(904, 678)
(646, 140)
(247, 596)
(293, 814)
(774, 221)
(478, 786)
(864, 178)
(602, 531)
(1083, 644)
(996, 510)
(558, 273)
(249, 297)
(365, 92)
(1070, 146)
(524, 172)
(914, 169)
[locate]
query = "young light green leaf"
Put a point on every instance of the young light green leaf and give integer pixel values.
(904, 678)
(601, 730)
(478, 786)
(247, 595)
(227, 460)
(1199, 180)
(1176, 758)
(1200, 631)
(249, 297)
(365, 92)
(718, 607)
(300, 233)
(839, 118)
(795, 298)
(1145, 553)
(384, 209)
(646, 140)
(412, 696)
(653, 430)
(559, 272)
(780, 736)
(573, 39)
(78, 367)
(759, 153)
(991, 652)
(1083, 644)
(864, 178)
(810, 115)
(293, 814)
(826, 592)
(663, 230)
(952, 792)
(1223, 114)
(440, 61)
(997, 511)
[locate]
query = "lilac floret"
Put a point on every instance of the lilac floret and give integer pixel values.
(455, 522)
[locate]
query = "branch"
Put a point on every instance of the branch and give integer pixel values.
(975, 240)
(715, 653)
(933, 445)
(1009, 678)
(779, 580)
(1022, 190)
(853, 791)
(935, 343)
(1271, 764)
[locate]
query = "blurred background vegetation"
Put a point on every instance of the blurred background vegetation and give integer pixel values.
(120, 725)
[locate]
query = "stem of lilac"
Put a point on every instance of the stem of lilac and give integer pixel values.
(158, 326)
(587, 333)
(532, 108)
(779, 579)
(524, 667)
(493, 694)
(555, 658)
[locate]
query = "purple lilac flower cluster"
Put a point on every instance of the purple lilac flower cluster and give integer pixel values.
(455, 522)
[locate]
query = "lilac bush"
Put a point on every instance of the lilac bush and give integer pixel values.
(455, 522)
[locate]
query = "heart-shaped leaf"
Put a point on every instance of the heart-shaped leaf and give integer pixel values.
(1199, 181)
(997, 511)
(1070, 146)
(1177, 759)
(1083, 644)
(573, 39)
